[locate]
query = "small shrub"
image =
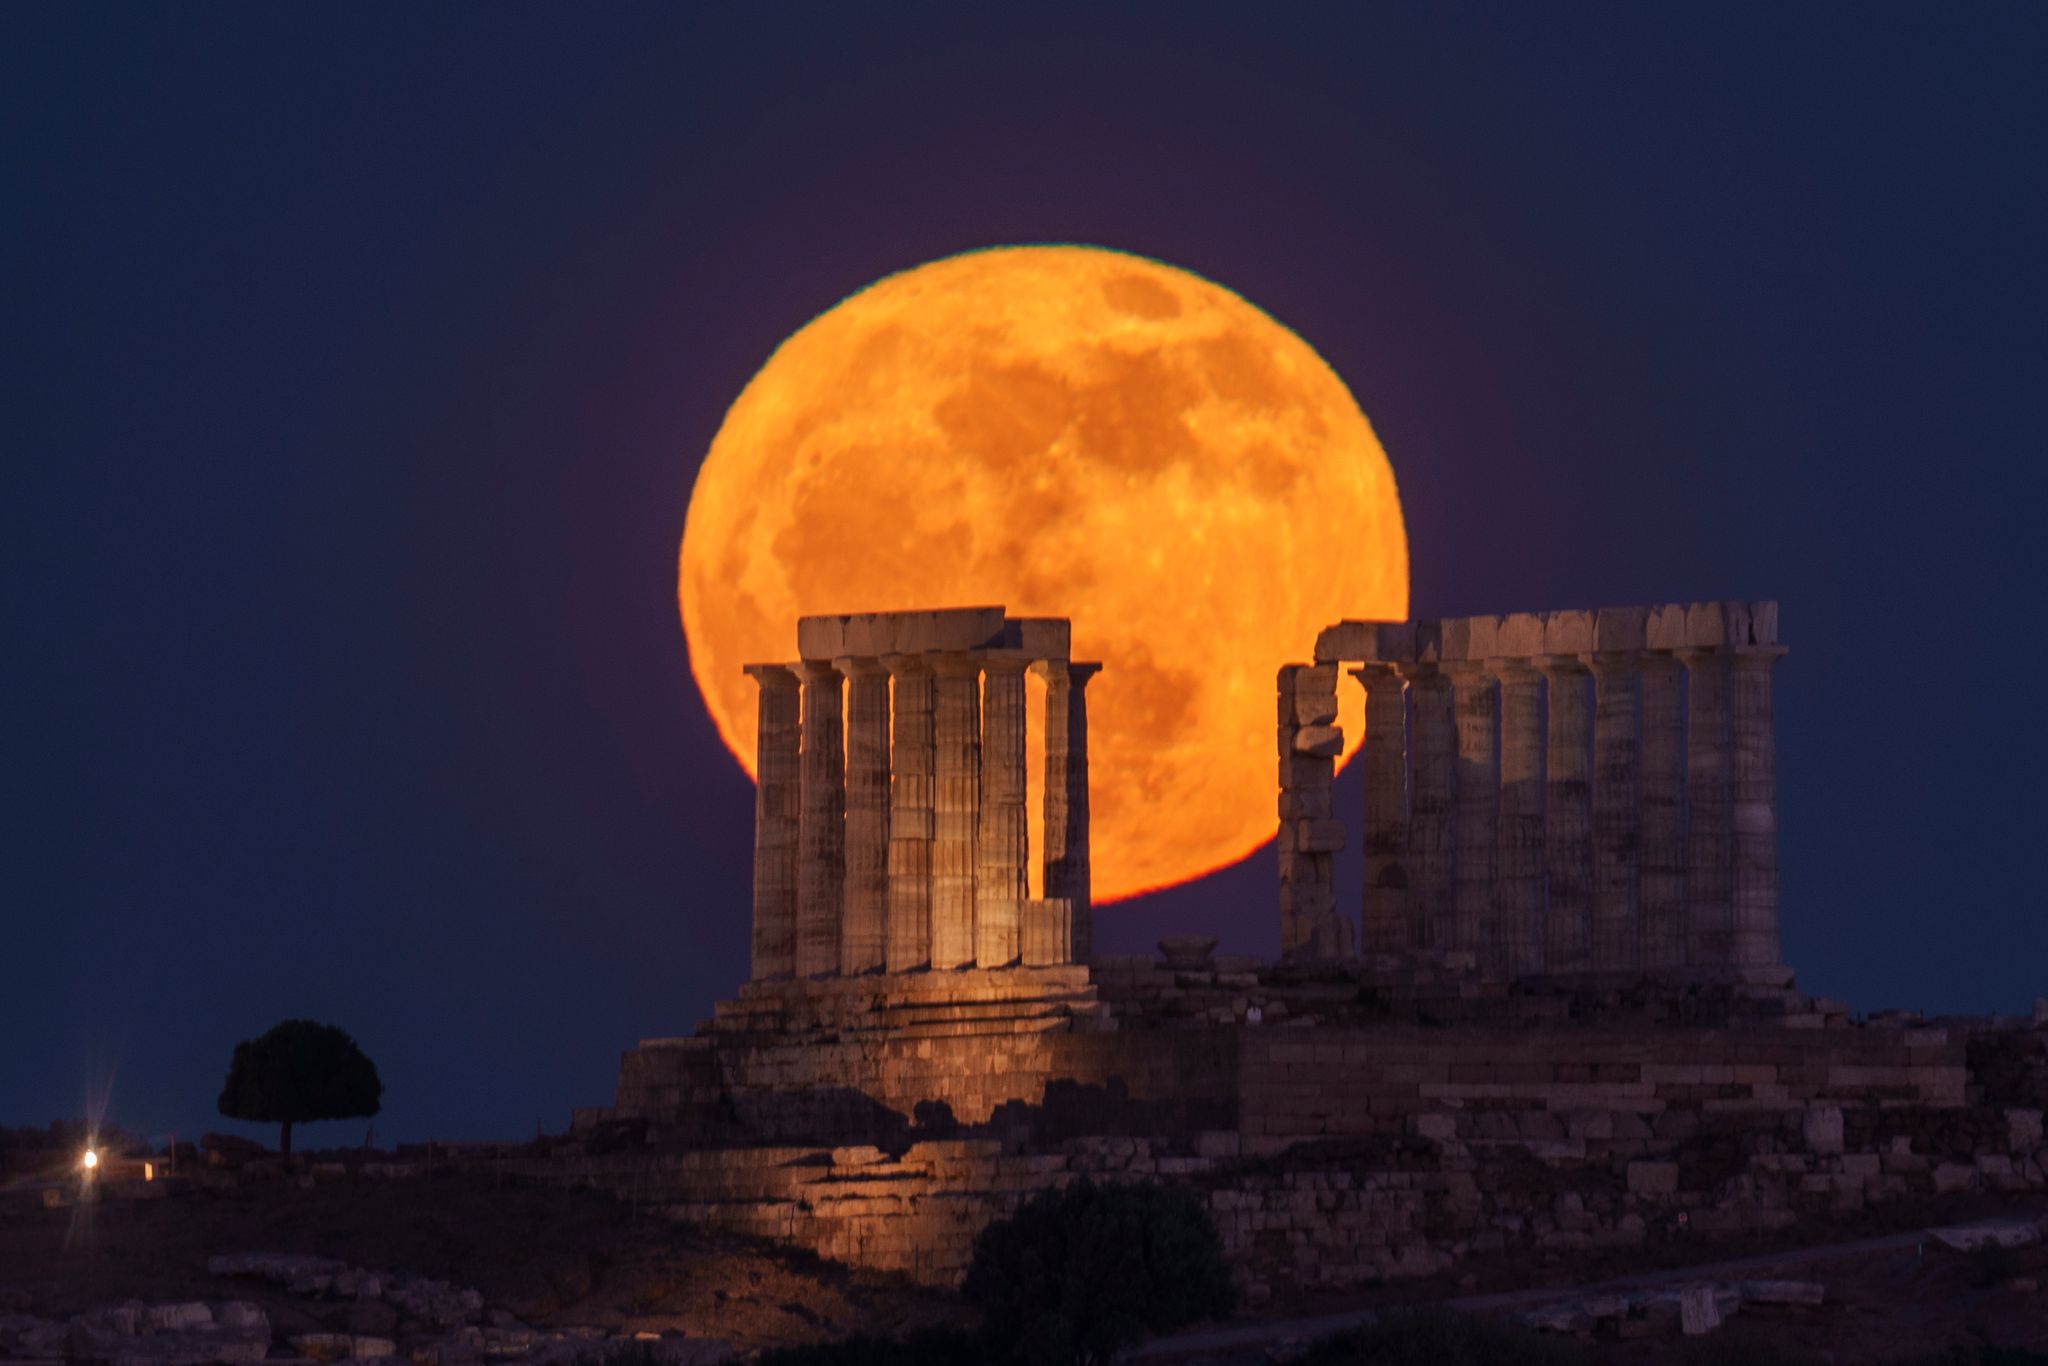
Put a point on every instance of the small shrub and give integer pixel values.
(1080, 1273)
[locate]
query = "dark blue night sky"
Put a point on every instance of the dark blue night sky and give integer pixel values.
(358, 360)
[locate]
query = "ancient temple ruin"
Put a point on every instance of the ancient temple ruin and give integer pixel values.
(1546, 793)
(1560, 1020)
(890, 831)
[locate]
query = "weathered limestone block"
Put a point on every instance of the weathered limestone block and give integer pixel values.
(863, 936)
(1617, 937)
(1568, 807)
(1710, 836)
(1518, 891)
(1067, 876)
(875, 634)
(956, 766)
(777, 820)
(1433, 773)
(1002, 851)
(1387, 920)
(821, 838)
(911, 828)
(1754, 811)
(1661, 886)
(1822, 1128)
(1475, 928)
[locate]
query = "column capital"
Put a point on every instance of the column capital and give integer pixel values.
(1760, 657)
(1658, 662)
(956, 664)
(1562, 666)
(859, 666)
(818, 671)
(906, 666)
(1512, 669)
(1612, 663)
(1464, 670)
(1077, 674)
(1376, 671)
(771, 675)
(1718, 658)
(1005, 661)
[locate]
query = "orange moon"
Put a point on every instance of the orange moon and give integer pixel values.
(1066, 431)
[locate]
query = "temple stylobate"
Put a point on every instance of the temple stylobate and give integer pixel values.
(891, 830)
(1548, 793)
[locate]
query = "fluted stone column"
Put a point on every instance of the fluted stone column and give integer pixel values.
(909, 935)
(1710, 816)
(1755, 808)
(1475, 927)
(821, 841)
(1617, 925)
(1433, 770)
(1002, 848)
(1067, 874)
(1568, 816)
(1387, 920)
(956, 806)
(1661, 882)
(863, 932)
(1518, 896)
(778, 793)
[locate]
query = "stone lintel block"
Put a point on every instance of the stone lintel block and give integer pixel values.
(896, 633)
(1518, 635)
(1666, 627)
(1568, 633)
(1621, 628)
(1325, 742)
(1037, 637)
(1366, 640)
(1454, 639)
(1763, 623)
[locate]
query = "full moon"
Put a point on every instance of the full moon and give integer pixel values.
(1064, 431)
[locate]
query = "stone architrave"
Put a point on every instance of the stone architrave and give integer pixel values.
(1433, 772)
(1568, 816)
(1066, 871)
(956, 805)
(1519, 874)
(1709, 803)
(821, 838)
(1661, 860)
(1617, 926)
(777, 816)
(1386, 924)
(863, 934)
(1002, 848)
(1475, 927)
(909, 935)
(1755, 808)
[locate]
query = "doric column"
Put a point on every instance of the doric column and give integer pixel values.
(821, 838)
(1710, 816)
(908, 942)
(1002, 846)
(1518, 897)
(1568, 816)
(1755, 808)
(1617, 925)
(1067, 875)
(778, 789)
(1433, 771)
(1475, 927)
(863, 927)
(1661, 884)
(1309, 742)
(956, 806)
(1386, 924)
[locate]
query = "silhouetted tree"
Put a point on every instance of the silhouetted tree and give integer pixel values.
(299, 1072)
(1080, 1273)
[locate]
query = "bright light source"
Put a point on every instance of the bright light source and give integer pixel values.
(92, 1159)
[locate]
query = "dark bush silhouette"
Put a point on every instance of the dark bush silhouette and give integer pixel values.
(299, 1072)
(1436, 1339)
(1079, 1274)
